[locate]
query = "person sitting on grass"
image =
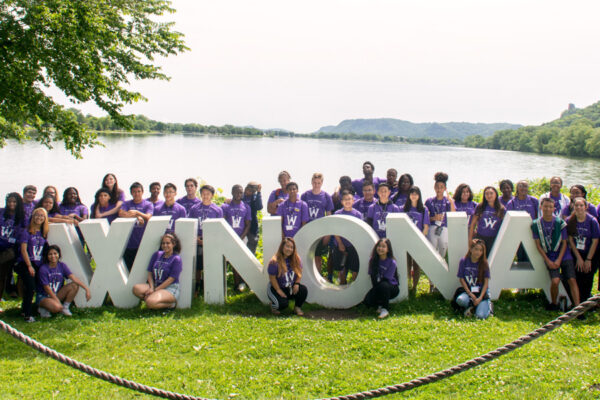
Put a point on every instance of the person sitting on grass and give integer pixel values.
(285, 273)
(53, 296)
(550, 235)
(474, 277)
(162, 289)
(384, 277)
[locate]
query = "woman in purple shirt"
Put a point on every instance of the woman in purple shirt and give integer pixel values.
(285, 273)
(405, 182)
(12, 221)
(419, 214)
(506, 188)
(71, 205)
(162, 289)
(487, 219)
(463, 199)
(117, 196)
(102, 207)
(384, 277)
(474, 276)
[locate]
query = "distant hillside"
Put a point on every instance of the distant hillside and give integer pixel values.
(575, 133)
(397, 127)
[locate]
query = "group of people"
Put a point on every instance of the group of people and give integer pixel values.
(565, 229)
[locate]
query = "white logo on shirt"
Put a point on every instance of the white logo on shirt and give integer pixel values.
(7, 231)
(37, 252)
(236, 222)
(381, 225)
(313, 212)
(490, 222)
(291, 220)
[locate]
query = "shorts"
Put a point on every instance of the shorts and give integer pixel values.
(566, 270)
(173, 288)
(322, 249)
(348, 260)
(40, 296)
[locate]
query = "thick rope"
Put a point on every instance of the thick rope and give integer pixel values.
(402, 387)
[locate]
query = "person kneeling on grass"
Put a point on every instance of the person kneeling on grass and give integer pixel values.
(384, 277)
(474, 276)
(285, 272)
(51, 290)
(162, 289)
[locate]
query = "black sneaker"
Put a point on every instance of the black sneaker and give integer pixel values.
(552, 307)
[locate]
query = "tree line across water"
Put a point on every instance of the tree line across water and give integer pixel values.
(575, 133)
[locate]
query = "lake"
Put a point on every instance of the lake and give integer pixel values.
(223, 162)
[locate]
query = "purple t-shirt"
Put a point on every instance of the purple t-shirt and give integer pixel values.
(591, 209)
(469, 271)
(164, 268)
(286, 280)
(77, 209)
(436, 206)
(363, 206)
(176, 211)
(157, 204)
(420, 219)
(529, 204)
(505, 202)
(237, 215)
(357, 184)
(317, 204)
(354, 213)
(9, 233)
(188, 203)
(548, 228)
(203, 212)
(28, 210)
(292, 216)
(393, 191)
(277, 194)
(145, 207)
(401, 200)
(35, 246)
(468, 207)
(586, 231)
(53, 277)
(387, 270)
(378, 214)
(489, 222)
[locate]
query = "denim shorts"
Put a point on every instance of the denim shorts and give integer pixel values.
(173, 288)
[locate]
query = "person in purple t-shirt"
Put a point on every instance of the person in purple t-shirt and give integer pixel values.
(53, 295)
(367, 200)
(319, 205)
(487, 218)
(154, 193)
(368, 170)
(49, 204)
(391, 179)
(463, 200)
(170, 206)
(189, 200)
(419, 214)
(560, 200)
(344, 257)
(293, 212)
(203, 211)
(584, 232)
(345, 185)
(238, 215)
(474, 276)
(32, 242)
(384, 278)
(162, 289)
(72, 207)
(102, 206)
(438, 206)
(405, 182)
(377, 213)
(278, 195)
(29, 193)
(12, 221)
(117, 196)
(550, 235)
(523, 202)
(506, 188)
(285, 273)
(142, 211)
(576, 191)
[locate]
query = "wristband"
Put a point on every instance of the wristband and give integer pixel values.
(296, 283)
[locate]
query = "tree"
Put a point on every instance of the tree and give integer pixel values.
(89, 49)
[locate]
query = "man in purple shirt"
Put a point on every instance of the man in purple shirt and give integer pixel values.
(154, 193)
(368, 170)
(278, 195)
(550, 235)
(237, 213)
(170, 207)
(29, 193)
(367, 200)
(344, 256)
(141, 210)
(377, 213)
(203, 211)
(189, 200)
(293, 212)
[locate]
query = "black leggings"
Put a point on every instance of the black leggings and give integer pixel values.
(28, 287)
(6, 267)
(381, 294)
(281, 303)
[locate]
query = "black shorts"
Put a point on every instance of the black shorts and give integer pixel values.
(345, 260)
(322, 249)
(566, 270)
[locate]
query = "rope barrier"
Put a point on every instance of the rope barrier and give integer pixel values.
(402, 387)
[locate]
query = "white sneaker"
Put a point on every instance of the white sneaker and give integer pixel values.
(44, 313)
(378, 309)
(469, 312)
(66, 311)
(383, 313)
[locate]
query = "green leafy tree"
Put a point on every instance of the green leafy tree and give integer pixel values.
(89, 49)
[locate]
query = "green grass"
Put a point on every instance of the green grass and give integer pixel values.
(240, 350)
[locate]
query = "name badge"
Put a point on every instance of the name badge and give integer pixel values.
(12, 240)
(289, 227)
(580, 241)
(474, 289)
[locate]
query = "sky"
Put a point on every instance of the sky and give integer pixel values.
(301, 65)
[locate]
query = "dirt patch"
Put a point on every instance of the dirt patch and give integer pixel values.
(331, 315)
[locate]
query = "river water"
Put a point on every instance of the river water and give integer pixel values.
(224, 162)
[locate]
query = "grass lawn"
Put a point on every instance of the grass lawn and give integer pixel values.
(241, 351)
